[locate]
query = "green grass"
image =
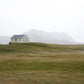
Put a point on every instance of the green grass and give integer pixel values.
(20, 65)
(39, 63)
(39, 47)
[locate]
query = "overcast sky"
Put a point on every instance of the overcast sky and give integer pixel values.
(18, 16)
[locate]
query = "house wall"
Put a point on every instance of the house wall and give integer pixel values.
(13, 41)
(25, 39)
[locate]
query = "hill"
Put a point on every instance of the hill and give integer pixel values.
(35, 47)
(39, 63)
(50, 37)
(44, 37)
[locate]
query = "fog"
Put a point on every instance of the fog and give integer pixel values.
(44, 37)
(18, 16)
(50, 37)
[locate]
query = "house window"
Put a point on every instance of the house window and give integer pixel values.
(15, 39)
(19, 39)
(12, 39)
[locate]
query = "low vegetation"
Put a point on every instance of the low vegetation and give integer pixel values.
(39, 63)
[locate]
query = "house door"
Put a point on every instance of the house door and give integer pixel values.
(15, 40)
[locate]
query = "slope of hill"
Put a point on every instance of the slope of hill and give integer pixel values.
(39, 63)
(39, 47)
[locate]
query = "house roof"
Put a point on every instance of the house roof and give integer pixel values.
(17, 36)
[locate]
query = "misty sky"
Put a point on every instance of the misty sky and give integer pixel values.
(18, 16)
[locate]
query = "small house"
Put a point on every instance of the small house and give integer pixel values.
(19, 39)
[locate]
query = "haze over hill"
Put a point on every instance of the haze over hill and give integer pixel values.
(50, 37)
(4, 39)
(44, 37)
(18, 16)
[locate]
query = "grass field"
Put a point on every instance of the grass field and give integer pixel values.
(39, 63)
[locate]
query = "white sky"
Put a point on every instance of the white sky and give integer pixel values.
(18, 16)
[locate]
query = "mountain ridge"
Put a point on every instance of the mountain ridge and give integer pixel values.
(49, 37)
(44, 37)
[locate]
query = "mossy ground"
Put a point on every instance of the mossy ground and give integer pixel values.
(38, 63)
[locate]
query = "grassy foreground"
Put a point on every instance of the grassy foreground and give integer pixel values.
(38, 63)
